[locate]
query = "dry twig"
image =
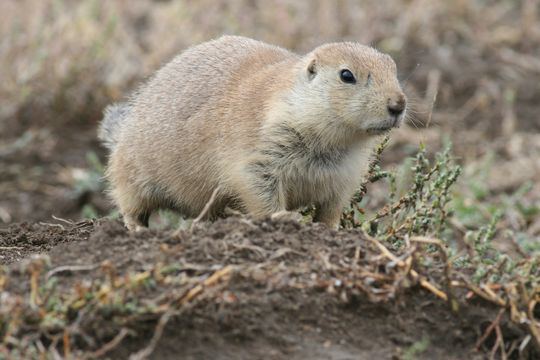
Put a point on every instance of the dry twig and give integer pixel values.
(206, 208)
(158, 332)
(69, 268)
(111, 345)
(489, 329)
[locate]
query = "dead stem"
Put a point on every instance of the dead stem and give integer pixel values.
(452, 302)
(429, 286)
(500, 342)
(489, 296)
(69, 268)
(434, 77)
(206, 208)
(111, 345)
(69, 222)
(67, 344)
(423, 282)
(534, 325)
(489, 329)
(210, 281)
(384, 250)
(53, 225)
(158, 332)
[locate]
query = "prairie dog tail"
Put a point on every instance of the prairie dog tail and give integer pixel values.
(109, 128)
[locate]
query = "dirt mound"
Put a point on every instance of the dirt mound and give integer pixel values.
(18, 241)
(233, 289)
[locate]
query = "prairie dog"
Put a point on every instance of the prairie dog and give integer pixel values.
(271, 130)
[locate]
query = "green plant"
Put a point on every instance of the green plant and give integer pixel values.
(416, 349)
(420, 227)
(422, 210)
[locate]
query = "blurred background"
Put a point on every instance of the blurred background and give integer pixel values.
(471, 69)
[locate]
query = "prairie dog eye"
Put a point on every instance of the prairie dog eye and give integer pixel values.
(347, 76)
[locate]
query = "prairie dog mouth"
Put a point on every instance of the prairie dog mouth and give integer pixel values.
(385, 126)
(378, 131)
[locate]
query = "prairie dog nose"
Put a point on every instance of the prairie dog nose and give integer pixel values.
(396, 105)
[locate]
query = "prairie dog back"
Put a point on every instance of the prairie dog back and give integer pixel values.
(271, 129)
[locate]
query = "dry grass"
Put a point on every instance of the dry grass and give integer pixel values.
(72, 57)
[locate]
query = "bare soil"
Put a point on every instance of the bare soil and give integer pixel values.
(299, 307)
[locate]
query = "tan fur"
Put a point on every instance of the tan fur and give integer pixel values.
(250, 118)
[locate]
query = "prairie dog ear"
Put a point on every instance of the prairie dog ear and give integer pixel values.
(312, 69)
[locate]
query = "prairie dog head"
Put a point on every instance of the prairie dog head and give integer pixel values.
(348, 88)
